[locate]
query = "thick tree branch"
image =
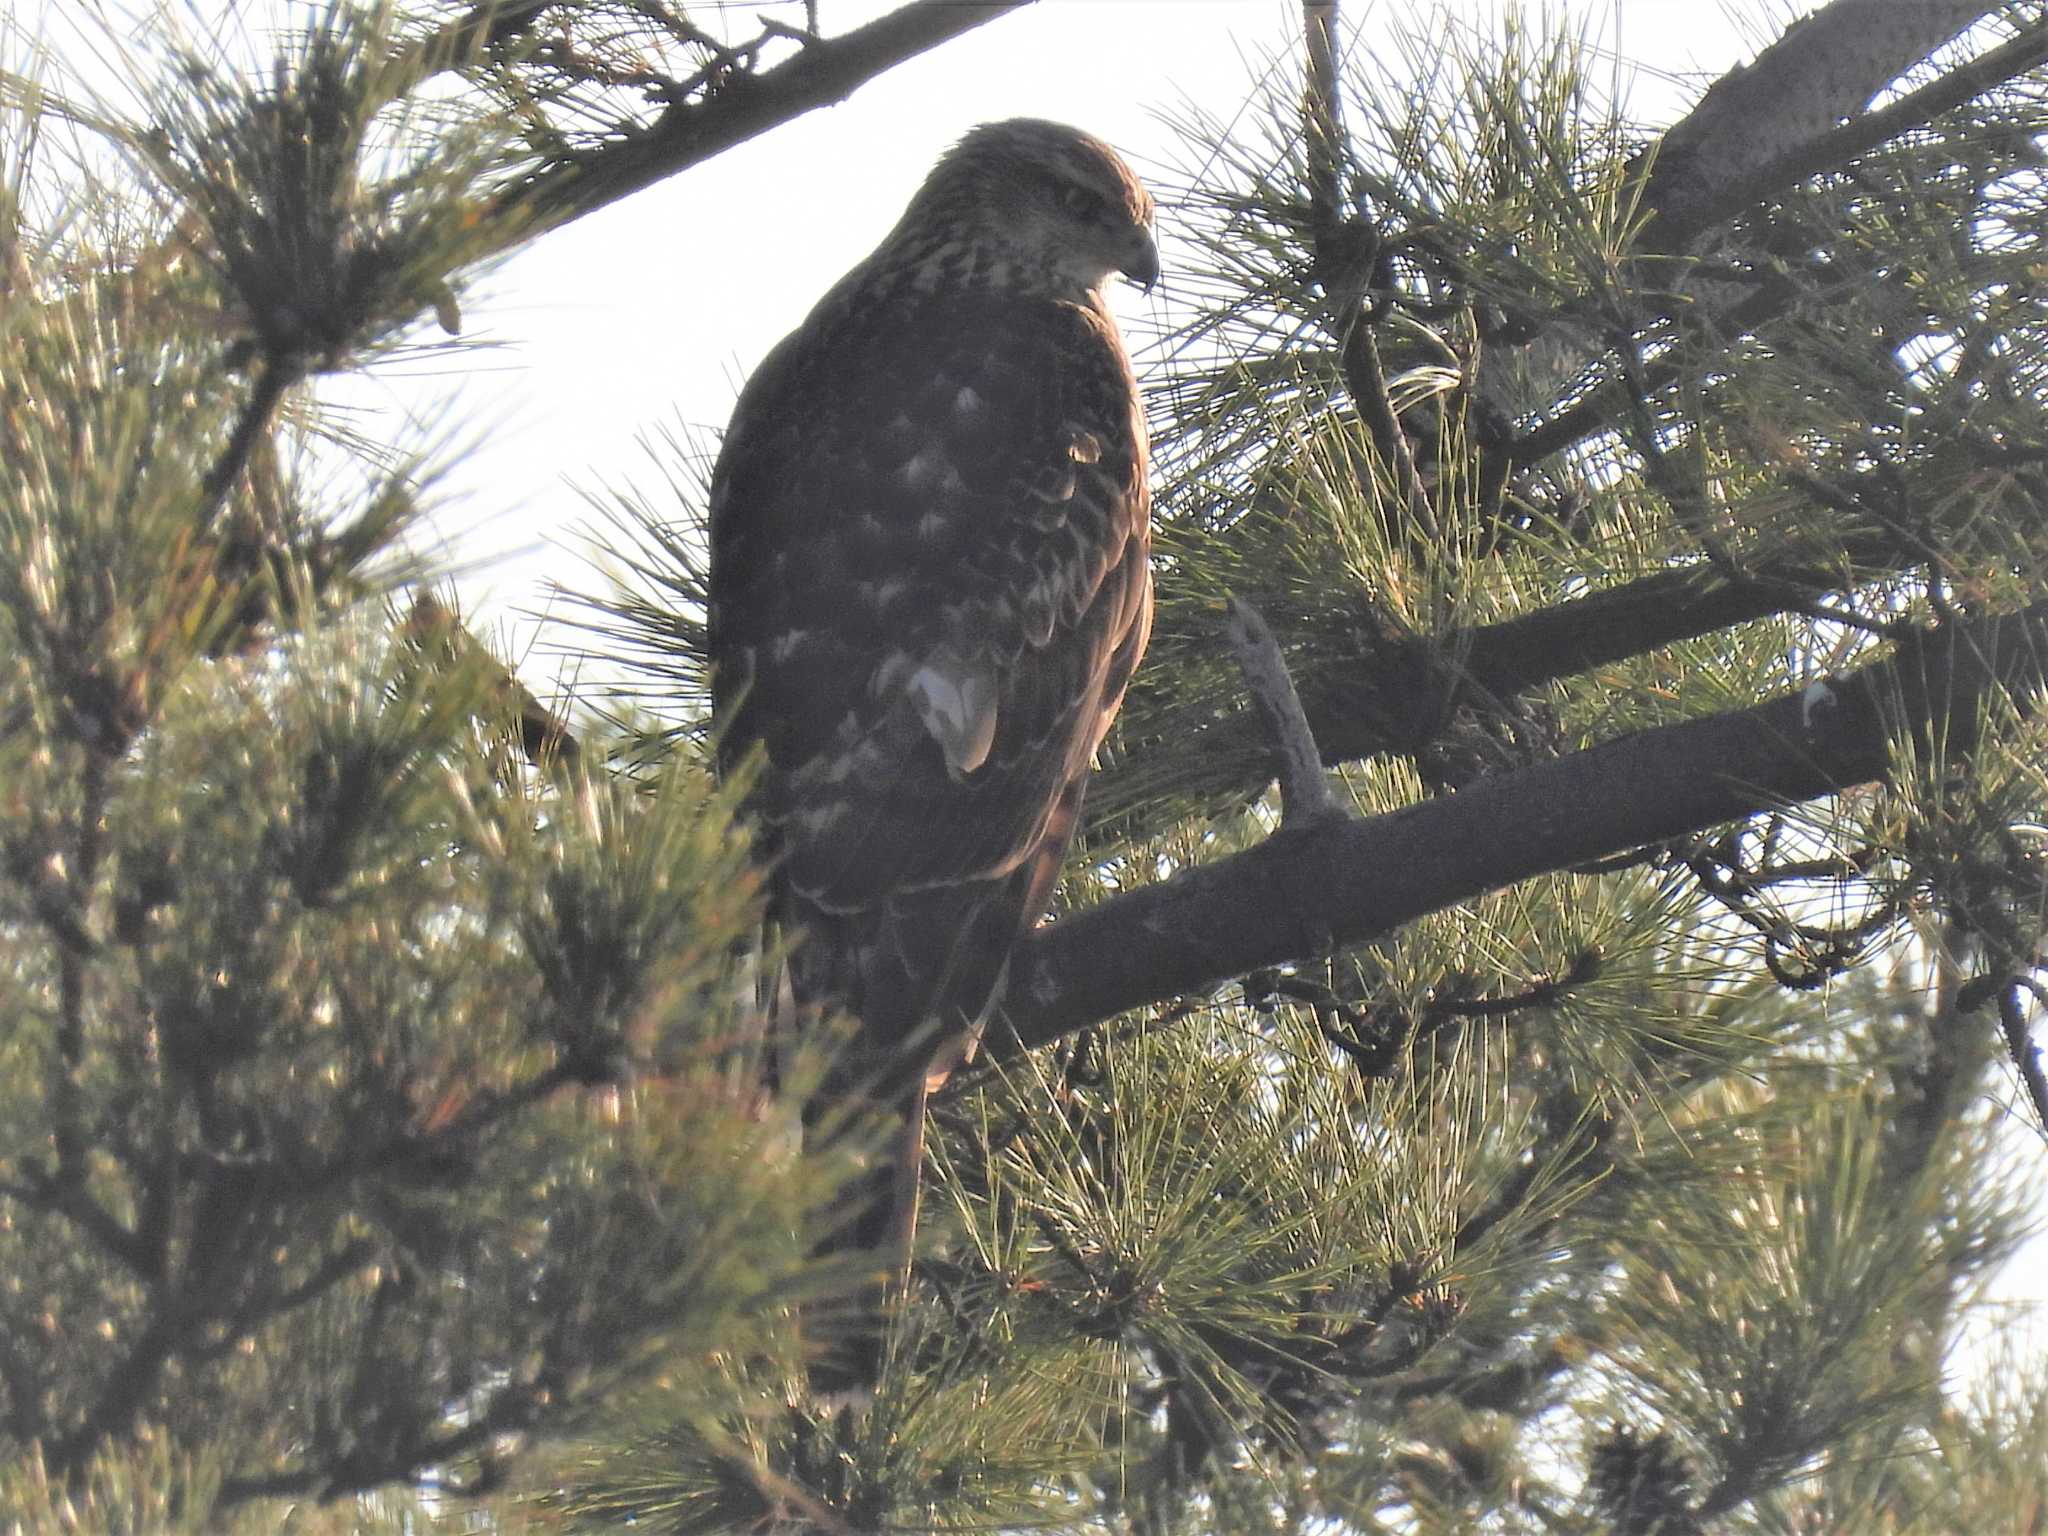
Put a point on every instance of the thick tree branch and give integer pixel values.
(1401, 707)
(1757, 128)
(1498, 661)
(1861, 134)
(1394, 696)
(688, 133)
(1795, 112)
(1296, 895)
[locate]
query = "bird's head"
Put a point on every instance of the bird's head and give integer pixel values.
(1030, 203)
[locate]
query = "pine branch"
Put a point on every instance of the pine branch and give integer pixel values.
(1593, 411)
(73, 1201)
(1760, 131)
(1294, 896)
(1305, 795)
(1366, 378)
(687, 133)
(123, 1392)
(545, 738)
(21, 1384)
(2019, 1043)
(459, 45)
(67, 1187)
(1766, 127)
(360, 1471)
(1346, 252)
(251, 423)
(1396, 699)
(1323, 116)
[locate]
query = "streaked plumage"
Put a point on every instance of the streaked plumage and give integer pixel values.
(929, 587)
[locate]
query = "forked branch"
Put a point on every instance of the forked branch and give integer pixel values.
(1290, 898)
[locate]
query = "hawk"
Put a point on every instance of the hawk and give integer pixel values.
(928, 590)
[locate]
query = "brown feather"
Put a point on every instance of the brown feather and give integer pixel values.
(929, 588)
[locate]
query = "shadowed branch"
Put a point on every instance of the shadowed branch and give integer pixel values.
(1297, 894)
(687, 133)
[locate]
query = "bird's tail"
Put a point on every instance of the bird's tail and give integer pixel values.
(919, 972)
(917, 976)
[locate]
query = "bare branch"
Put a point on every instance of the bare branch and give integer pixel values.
(1795, 112)
(1366, 377)
(1322, 110)
(1305, 797)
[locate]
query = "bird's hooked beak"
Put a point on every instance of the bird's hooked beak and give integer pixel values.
(1142, 267)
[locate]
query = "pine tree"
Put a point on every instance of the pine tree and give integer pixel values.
(375, 1089)
(1576, 1099)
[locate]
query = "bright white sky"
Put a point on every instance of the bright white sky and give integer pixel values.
(654, 310)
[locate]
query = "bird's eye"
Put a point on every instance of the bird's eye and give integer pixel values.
(1080, 202)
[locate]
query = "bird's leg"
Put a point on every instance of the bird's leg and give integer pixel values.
(899, 1239)
(1305, 797)
(884, 1234)
(904, 1198)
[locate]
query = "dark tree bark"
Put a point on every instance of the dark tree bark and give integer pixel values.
(1296, 896)
(688, 133)
(1756, 123)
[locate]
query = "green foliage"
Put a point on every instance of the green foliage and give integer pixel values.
(373, 1097)
(387, 1115)
(1811, 1330)
(1643, 1200)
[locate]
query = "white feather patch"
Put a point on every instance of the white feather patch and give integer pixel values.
(817, 818)
(931, 470)
(957, 702)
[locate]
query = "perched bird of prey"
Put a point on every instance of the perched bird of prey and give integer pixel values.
(928, 591)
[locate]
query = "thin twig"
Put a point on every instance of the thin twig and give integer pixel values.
(2019, 1043)
(273, 379)
(1305, 797)
(1366, 378)
(1542, 992)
